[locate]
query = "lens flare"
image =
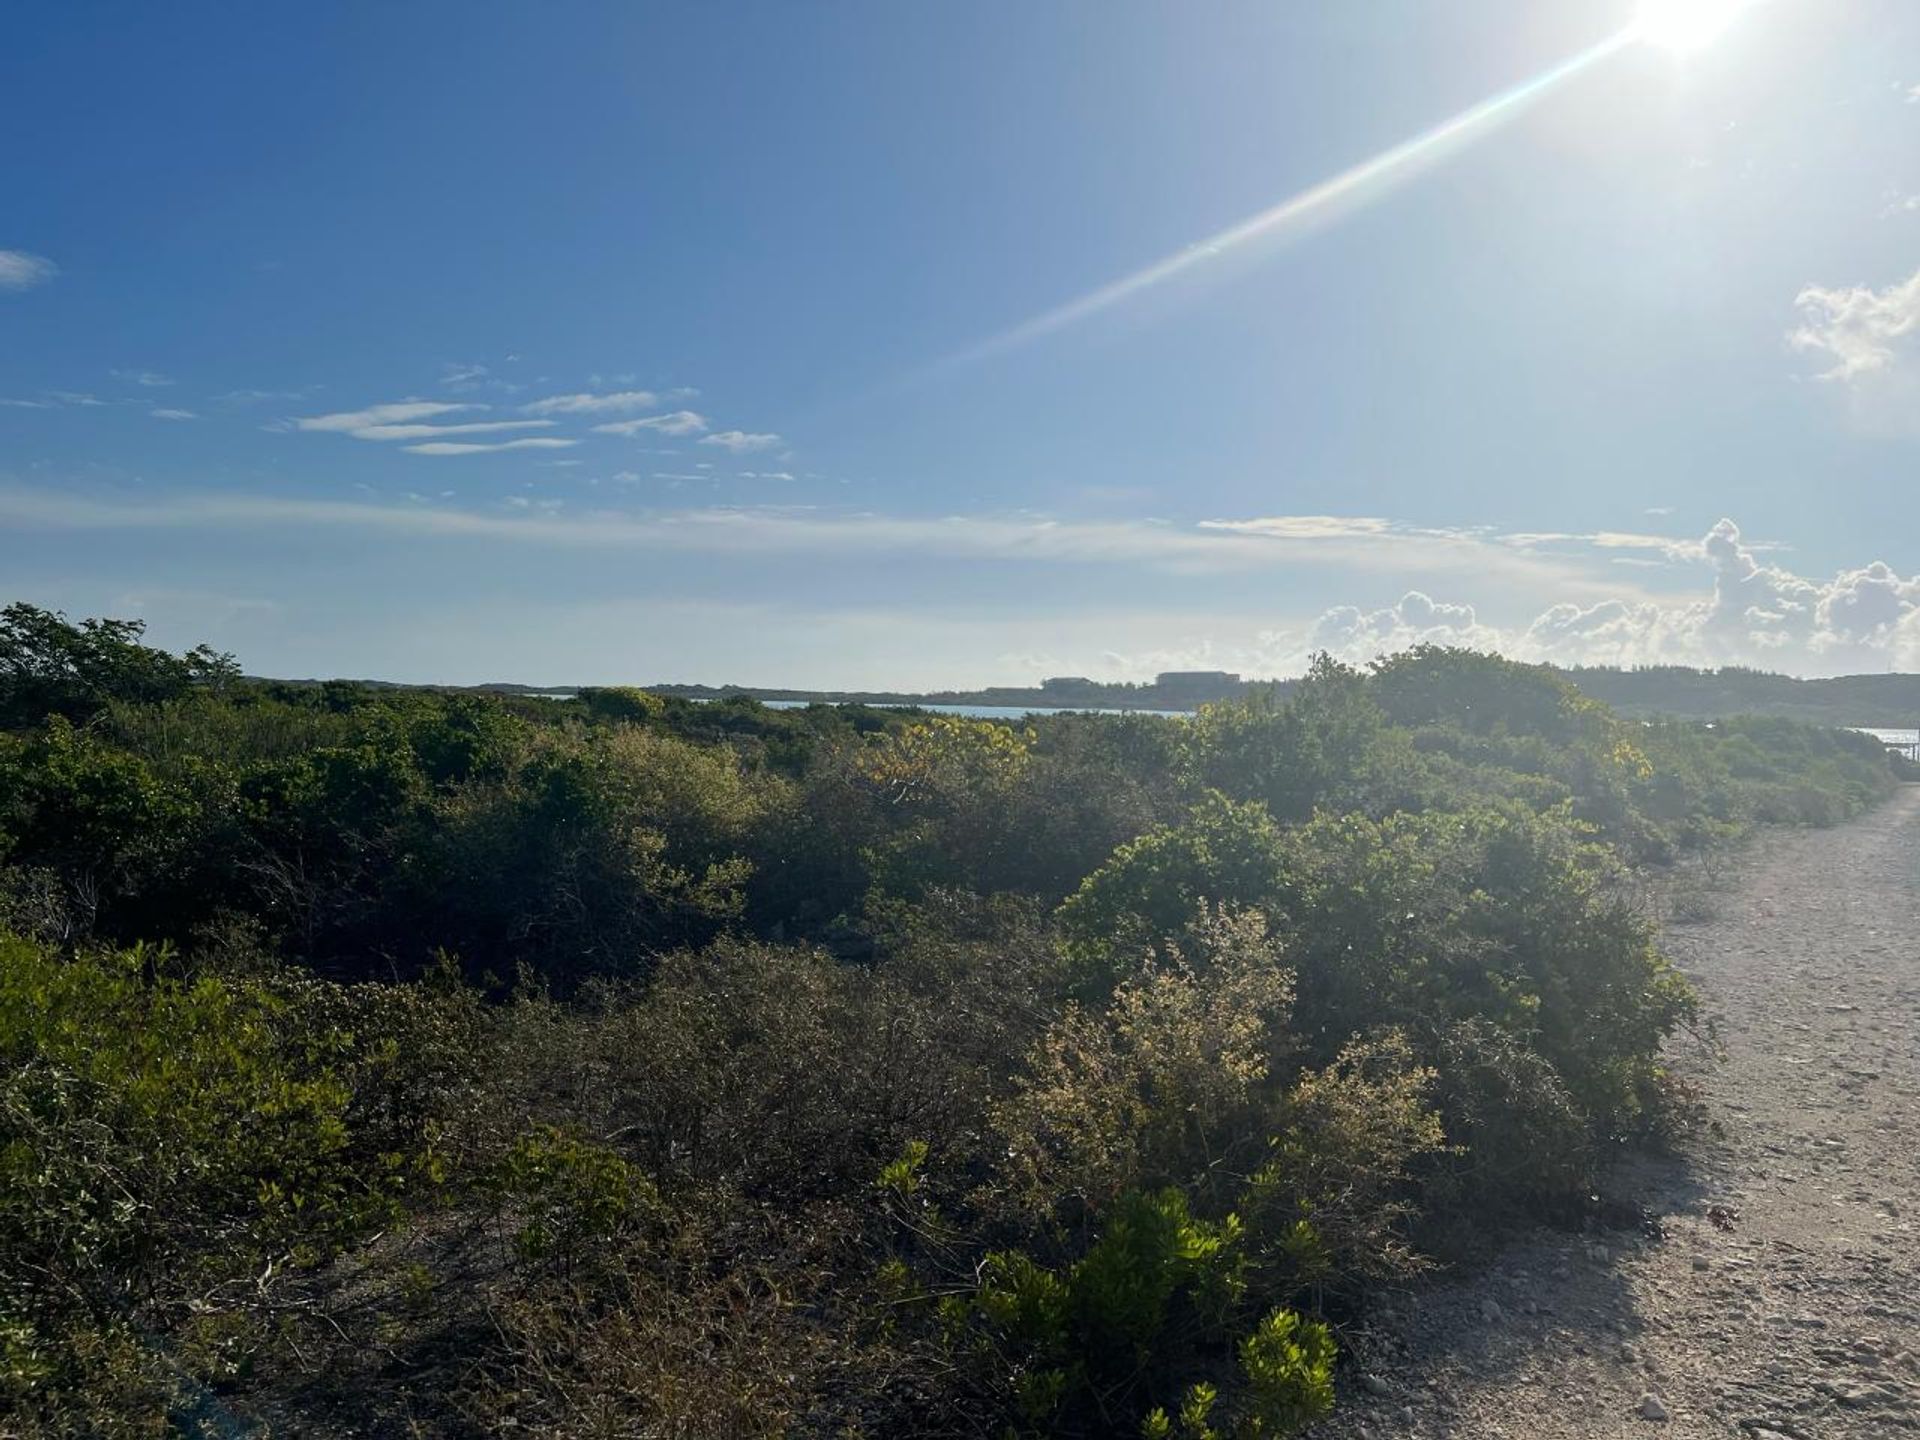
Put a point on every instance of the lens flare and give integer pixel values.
(1338, 195)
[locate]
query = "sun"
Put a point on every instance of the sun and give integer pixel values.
(1684, 26)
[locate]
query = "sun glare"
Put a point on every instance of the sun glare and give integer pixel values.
(1683, 26)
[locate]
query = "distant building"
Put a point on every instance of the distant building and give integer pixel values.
(1066, 682)
(1182, 688)
(1196, 679)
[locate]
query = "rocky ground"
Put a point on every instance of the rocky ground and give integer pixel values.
(1782, 1297)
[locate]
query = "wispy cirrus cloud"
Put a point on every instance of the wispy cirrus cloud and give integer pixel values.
(153, 379)
(443, 447)
(1164, 546)
(20, 270)
(348, 421)
(429, 432)
(618, 402)
(1304, 527)
(403, 420)
(740, 442)
(676, 422)
(251, 397)
(168, 413)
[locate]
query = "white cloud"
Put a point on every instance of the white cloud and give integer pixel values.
(1860, 329)
(462, 377)
(1754, 614)
(21, 271)
(1169, 548)
(1415, 619)
(1304, 527)
(1572, 610)
(617, 403)
(678, 422)
(401, 421)
(742, 443)
(248, 397)
(27, 404)
(429, 432)
(169, 414)
(348, 421)
(443, 447)
(142, 377)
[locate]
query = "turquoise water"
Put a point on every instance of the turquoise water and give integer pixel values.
(991, 712)
(978, 712)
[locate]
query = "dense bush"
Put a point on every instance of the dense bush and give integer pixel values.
(396, 1061)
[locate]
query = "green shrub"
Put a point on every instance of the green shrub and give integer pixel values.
(569, 1196)
(161, 1135)
(1097, 1337)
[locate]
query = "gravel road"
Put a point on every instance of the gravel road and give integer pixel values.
(1783, 1299)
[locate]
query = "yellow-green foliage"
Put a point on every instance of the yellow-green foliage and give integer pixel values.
(570, 1195)
(1167, 1083)
(159, 1134)
(1113, 1327)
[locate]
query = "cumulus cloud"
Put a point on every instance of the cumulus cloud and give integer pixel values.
(1415, 619)
(618, 402)
(1860, 329)
(21, 271)
(677, 422)
(739, 442)
(1755, 613)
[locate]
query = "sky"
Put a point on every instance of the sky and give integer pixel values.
(860, 344)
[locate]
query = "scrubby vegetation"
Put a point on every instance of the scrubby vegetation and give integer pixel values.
(389, 1061)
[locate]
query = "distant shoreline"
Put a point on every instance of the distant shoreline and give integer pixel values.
(1889, 701)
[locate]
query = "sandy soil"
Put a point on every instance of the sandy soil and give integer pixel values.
(1783, 1297)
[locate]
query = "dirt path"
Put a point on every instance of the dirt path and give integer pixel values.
(1801, 1317)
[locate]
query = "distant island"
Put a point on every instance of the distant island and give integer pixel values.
(1882, 701)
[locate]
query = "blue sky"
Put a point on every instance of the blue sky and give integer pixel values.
(575, 343)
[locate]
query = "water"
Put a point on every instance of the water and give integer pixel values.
(989, 712)
(977, 712)
(1891, 737)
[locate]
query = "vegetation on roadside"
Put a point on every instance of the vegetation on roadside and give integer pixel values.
(387, 1058)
